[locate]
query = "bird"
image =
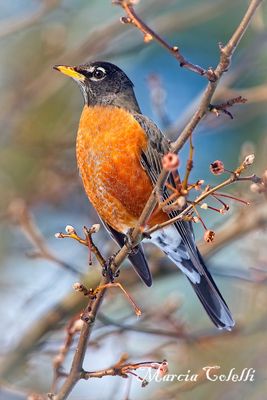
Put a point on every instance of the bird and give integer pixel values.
(119, 154)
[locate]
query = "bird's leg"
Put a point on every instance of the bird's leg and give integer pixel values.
(129, 242)
(107, 268)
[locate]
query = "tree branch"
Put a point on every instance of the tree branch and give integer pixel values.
(149, 34)
(124, 370)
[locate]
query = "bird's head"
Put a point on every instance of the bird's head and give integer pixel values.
(102, 83)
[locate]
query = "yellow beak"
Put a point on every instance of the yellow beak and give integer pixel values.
(69, 71)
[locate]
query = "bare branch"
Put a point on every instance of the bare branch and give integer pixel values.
(124, 370)
(149, 34)
(19, 23)
(216, 108)
(20, 215)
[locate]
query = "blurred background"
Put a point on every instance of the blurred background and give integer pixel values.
(41, 193)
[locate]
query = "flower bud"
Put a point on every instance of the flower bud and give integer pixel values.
(217, 167)
(209, 236)
(170, 162)
(249, 160)
(77, 286)
(69, 229)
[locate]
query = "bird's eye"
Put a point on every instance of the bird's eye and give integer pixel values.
(99, 73)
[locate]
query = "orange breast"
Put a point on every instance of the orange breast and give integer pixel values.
(108, 149)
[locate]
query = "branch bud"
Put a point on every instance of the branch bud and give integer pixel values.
(69, 229)
(95, 228)
(249, 160)
(125, 20)
(77, 286)
(147, 37)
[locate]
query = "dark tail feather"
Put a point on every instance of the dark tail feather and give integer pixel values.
(184, 253)
(212, 300)
(140, 265)
(214, 305)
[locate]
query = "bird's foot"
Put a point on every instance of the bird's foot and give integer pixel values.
(128, 241)
(146, 235)
(108, 271)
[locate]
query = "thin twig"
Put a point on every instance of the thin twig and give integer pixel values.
(17, 24)
(123, 370)
(216, 108)
(149, 34)
(20, 215)
(189, 164)
(137, 310)
(87, 241)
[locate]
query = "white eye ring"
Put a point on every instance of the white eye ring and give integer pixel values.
(98, 74)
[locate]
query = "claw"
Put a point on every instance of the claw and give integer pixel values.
(129, 242)
(107, 270)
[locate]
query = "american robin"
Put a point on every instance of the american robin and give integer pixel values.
(119, 153)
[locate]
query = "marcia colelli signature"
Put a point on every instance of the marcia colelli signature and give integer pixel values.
(211, 373)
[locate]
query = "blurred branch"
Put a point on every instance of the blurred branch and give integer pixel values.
(255, 94)
(158, 98)
(50, 321)
(19, 23)
(173, 390)
(20, 215)
(255, 217)
(178, 334)
(9, 393)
